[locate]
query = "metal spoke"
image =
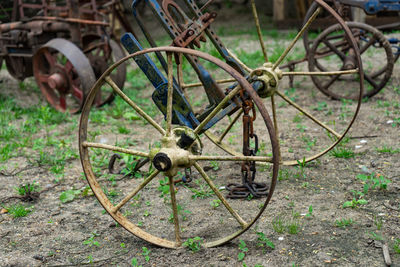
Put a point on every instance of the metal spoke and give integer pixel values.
(244, 66)
(115, 148)
(50, 58)
(133, 105)
(331, 81)
(180, 79)
(230, 126)
(367, 45)
(63, 102)
(135, 191)
(257, 21)
(170, 94)
(77, 93)
(239, 219)
(370, 80)
(305, 27)
(334, 49)
(44, 77)
(175, 211)
(232, 158)
(217, 109)
(307, 114)
(320, 73)
(68, 66)
(190, 85)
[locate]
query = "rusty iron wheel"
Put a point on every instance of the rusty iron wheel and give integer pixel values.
(168, 159)
(63, 74)
(102, 53)
(332, 133)
(376, 55)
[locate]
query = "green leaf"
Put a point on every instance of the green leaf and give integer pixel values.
(131, 116)
(362, 201)
(241, 256)
(270, 244)
(362, 177)
(69, 195)
(348, 204)
(366, 188)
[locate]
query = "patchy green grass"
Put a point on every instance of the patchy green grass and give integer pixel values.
(19, 210)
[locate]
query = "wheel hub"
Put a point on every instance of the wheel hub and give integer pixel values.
(175, 151)
(57, 81)
(269, 77)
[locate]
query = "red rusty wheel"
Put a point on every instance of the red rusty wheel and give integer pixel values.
(64, 75)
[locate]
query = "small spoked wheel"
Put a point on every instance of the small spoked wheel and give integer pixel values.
(64, 74)
(331, 48)
(155, 205)
(307, 123)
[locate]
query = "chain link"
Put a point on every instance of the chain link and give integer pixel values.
(248, 187)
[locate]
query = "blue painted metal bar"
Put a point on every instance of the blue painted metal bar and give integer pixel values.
(182, 113)
(374, 6)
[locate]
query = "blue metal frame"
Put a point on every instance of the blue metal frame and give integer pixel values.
(183, 114)
(372, 7)
(375, 6)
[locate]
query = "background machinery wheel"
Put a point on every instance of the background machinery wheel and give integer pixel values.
(64, 74)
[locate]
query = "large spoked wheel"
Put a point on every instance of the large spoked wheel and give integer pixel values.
(308, 125)
(102, 53)
(199, 208)
(376, 55)
(64, 74)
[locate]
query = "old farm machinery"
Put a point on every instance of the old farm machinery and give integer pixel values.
(378, 53)
(211, 115)
(65, 44)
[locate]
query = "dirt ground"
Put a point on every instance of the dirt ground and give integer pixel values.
(305, 220)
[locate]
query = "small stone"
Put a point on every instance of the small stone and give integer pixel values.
(363, 141)
(280, 238)
(365, 169)
(39, 258)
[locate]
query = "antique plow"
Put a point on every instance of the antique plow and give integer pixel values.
(210, 112)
